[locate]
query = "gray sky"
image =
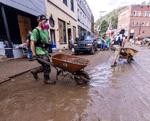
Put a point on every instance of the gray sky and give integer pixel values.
(108, 5)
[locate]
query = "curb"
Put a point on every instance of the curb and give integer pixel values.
(15, 75)
(4, 80)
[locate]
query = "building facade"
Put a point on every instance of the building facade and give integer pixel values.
(67, 18)
(62, 16)
(136, 20)
(85, 17)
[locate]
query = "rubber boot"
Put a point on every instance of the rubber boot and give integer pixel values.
(36, 71)
(47, 79)
(114, 65)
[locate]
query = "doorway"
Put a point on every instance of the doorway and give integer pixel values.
(69, 38)
(52, 37)
(25, 26)
(62, 31)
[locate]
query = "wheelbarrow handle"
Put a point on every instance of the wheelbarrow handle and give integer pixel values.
(43, 61)
(50, 55)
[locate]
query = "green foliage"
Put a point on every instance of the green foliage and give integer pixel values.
(104, 21)
(114, 22)
(103, 27)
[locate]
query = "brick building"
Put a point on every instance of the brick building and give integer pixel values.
(135, 19)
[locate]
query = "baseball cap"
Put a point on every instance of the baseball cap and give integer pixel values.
(41, 17)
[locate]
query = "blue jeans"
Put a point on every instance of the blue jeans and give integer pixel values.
(29, 54)
(103, 46)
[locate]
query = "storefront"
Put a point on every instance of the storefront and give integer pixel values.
(14, 26)
(16, 19)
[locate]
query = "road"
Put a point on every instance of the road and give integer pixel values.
(113, 94)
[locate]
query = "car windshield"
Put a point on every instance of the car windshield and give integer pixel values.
(88, 38)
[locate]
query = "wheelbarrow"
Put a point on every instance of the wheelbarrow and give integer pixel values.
(71, 65)
(128, 53)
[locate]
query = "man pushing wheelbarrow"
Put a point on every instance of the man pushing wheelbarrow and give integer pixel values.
(62, 63)
(120, 51)
(39, 47)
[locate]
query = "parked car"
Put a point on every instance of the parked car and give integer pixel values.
(99, 42)
(86, 44)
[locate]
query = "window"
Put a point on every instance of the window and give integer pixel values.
(136, 13)
(133, 23)
(143, 24)
(147, 24)
(147, 13)
(52, 36)
(72, 4)
(74, 32)
(139, 13)
(65, 2)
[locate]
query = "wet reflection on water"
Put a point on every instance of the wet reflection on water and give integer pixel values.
(100, 75)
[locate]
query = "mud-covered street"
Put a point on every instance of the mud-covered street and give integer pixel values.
(113, 94)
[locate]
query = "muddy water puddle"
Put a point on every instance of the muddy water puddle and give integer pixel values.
(100, 75)
(31, 100)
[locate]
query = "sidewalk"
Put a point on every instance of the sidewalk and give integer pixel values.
(10, 68)
(14, 67)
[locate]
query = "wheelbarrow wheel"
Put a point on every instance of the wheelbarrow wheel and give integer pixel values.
(86, 75)
(81, 78)
(130, 59)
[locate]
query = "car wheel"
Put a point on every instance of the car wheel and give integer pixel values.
(92, 51)
(96, 49)
(76, 53)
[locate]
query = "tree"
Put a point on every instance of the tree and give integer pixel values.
(103, 27)
(114, 22)
(111, 17)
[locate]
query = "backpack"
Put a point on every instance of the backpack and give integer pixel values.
(43, 45)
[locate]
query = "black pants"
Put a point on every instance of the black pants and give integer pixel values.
(44, 67)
